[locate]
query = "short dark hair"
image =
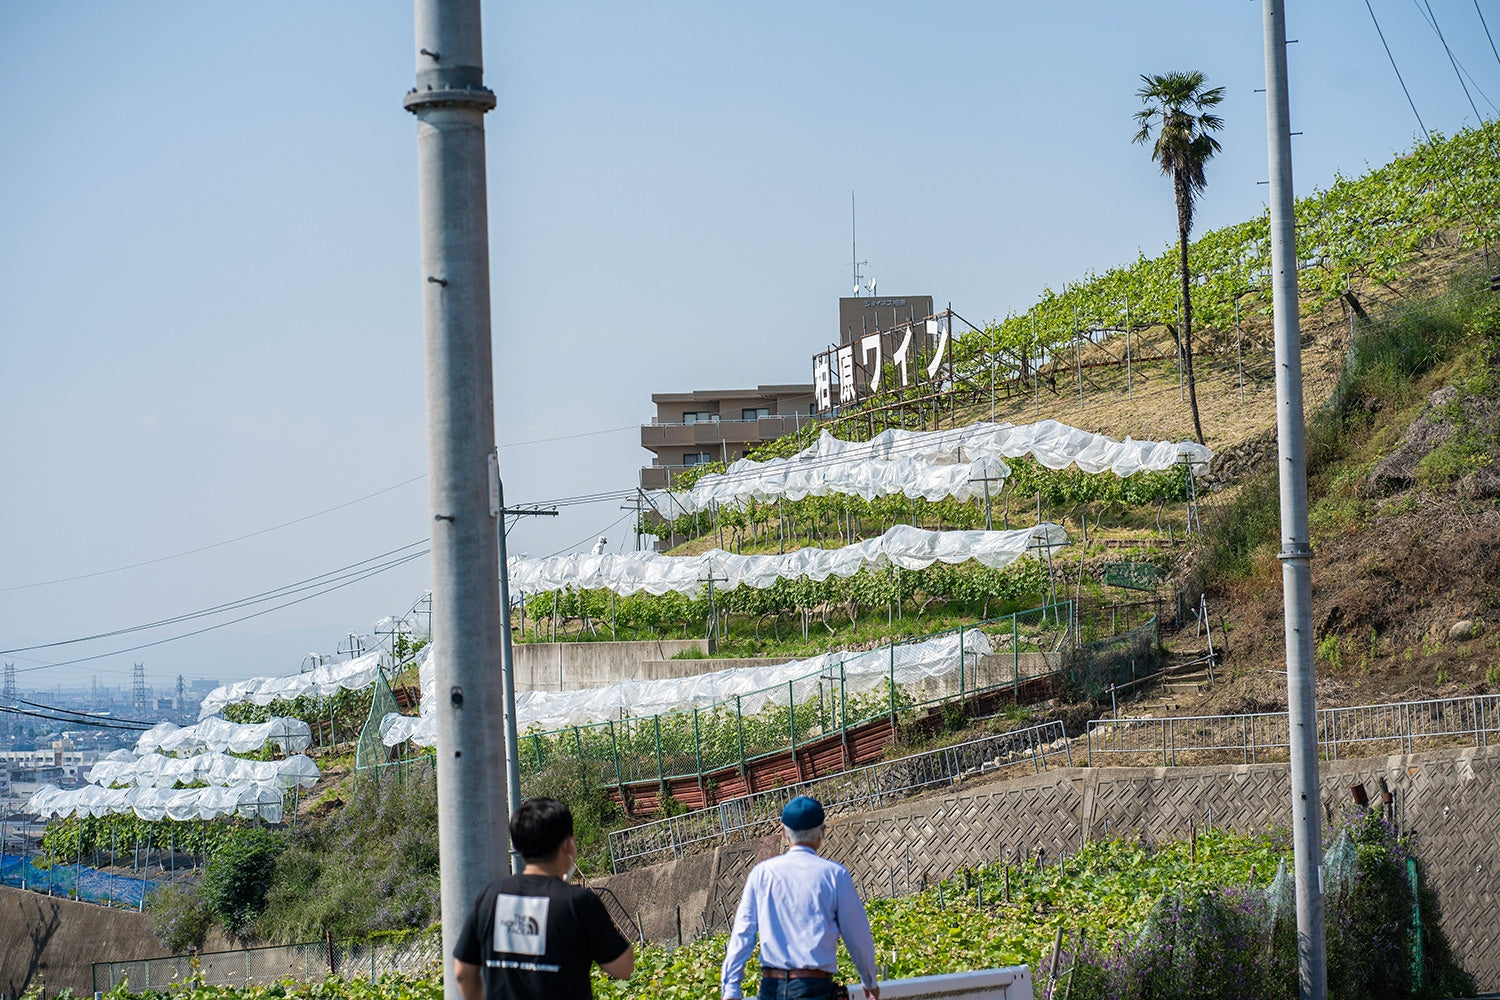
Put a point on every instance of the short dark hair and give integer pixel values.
(538, 828)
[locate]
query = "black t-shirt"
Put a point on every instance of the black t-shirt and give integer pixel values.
(535, 936)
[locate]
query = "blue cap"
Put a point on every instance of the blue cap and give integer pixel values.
(802, 813)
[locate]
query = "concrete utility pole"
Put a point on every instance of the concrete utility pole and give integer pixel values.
(449, 101)
(508, 682)
(1296, 548)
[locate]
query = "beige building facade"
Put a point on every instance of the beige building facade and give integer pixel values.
(718, 425)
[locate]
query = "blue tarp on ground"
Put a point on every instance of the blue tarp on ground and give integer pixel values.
(91, 884)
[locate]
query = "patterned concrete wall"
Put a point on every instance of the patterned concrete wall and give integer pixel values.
(1449, 799)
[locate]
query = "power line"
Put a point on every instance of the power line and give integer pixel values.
(1486, 30)
(591, 535)
(567, 437)
(214, 545)
(71, 722)
(87, 715)
(363, 575)
(1399, 78)
(262, 597)
(1432, 22)
(294, 521)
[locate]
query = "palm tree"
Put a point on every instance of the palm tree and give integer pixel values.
(1178, 121)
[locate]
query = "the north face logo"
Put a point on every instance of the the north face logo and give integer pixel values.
(521, 924)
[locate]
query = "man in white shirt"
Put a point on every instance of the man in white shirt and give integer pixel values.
(799, 904)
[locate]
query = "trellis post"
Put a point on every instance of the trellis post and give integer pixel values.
(578, 745)
(961, 664)
(661, 774)
(1015, 652)
(739, 718)
(791, 714)
(698, 758)
(892, 683)
(614, 745)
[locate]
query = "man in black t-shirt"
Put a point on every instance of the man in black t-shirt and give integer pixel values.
(533, 936)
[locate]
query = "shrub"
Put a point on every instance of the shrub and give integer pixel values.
(234, 886)
(180, 917)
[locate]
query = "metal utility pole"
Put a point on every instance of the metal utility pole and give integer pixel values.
(450, 101)
(1296, 548)
(508, 663)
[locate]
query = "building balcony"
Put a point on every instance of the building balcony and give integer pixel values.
(734, 432)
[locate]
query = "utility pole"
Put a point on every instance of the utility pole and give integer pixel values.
(450, 101)
(1296, 548)
(507, 659)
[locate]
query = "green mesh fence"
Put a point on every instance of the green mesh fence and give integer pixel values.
(370, 751)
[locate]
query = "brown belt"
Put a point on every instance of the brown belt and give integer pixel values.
(796, 974)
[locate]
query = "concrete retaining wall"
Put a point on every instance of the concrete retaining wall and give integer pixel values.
(571, 666)
(55, 941)
(1449, 799)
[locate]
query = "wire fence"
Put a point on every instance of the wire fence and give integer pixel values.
(1400, 727)
(420, 954)
(862, 788)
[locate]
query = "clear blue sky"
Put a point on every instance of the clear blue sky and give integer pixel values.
(209, 294)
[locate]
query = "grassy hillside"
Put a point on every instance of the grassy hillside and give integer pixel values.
(1403, 478)
(1404, 482)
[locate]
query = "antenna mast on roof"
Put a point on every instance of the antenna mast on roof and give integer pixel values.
(854, 261)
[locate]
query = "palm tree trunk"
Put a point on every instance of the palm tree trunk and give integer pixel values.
(1184, 222)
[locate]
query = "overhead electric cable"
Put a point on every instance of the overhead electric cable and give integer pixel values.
(71, 722)
(589, 537)
(364, 575)
(567, 437)
(1399, 78)
(262, 597)
(215, 545)
(1432, 22)
(86, 715)
(293, 521)
(1486, 30)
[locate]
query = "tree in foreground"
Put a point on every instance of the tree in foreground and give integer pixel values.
(1178, 120)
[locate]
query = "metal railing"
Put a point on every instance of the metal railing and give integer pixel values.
(861, 788)
(314, 960)
(1405, 726)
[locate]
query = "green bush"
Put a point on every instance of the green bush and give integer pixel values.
(234, 886)
(180, 917)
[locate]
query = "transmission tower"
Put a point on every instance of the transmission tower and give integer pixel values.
(138, 687)
(8, 697)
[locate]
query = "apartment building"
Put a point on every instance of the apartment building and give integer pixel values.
(61, 756)
(718, 425)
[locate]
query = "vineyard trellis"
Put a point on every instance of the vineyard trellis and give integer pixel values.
(998, 653)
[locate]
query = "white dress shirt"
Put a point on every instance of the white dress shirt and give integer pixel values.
(799, 904)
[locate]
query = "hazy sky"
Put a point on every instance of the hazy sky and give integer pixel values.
(209, 293)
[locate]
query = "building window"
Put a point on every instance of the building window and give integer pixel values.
(700, 417)
(755, 413)
(697, 458)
